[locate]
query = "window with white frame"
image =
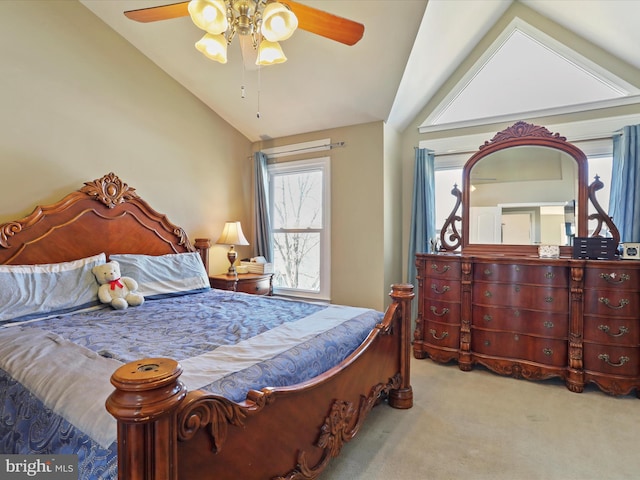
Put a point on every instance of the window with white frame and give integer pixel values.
(299, 206)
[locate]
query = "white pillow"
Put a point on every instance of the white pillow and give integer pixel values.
(164, 276)
(36, 291)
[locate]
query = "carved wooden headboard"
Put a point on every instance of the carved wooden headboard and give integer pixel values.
(106, 215)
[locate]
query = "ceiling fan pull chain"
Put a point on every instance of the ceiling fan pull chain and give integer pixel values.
(259, 76)
(243, 93)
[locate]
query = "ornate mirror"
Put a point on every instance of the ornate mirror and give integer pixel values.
(524, 188)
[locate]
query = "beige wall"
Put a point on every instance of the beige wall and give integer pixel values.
(360, 272)
(78, 102)
(87, 103)
(393, 194)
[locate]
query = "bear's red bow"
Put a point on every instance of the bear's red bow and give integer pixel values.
(115, 283)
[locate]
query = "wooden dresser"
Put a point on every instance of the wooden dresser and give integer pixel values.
(532, 318)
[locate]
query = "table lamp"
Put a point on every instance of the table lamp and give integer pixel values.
(232, 235)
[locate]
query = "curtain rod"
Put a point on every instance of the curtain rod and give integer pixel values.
(273, 157)
(281, 153)
(326, 146)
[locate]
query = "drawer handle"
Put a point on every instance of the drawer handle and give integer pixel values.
(487, 343)
(516, 288)
(547, 351)
(445, 289)
(441, 337)
(611, 278)
(548, 324)
(435, 268)
(621, 331)
(550, 275)
(488, 272)
(488, 294)
(548, 299)
(516, 313)
(444, 312)
(487, 318)
(620, 305)
(605, 358)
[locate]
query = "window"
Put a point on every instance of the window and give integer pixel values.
(299, 205)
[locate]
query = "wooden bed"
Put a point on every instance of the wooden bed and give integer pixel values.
(166, 432)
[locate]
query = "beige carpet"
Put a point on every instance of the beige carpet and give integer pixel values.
(479, 425)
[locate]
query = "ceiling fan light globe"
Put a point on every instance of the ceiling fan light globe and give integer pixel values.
(209, 15)
(270, 53)
(213, 47)
(278, 22)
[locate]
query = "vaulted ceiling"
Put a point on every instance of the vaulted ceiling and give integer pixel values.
(418, 62)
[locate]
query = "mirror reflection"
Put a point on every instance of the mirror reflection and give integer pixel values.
(523, 195)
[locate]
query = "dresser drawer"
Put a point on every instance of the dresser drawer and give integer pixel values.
(514, 273)
(261, 286)
(616, 303)
(436, 268)
(518, 346)
(610, 359)
(550, 299)
(443, 312)
(613, 276)
(519, 320)
(612, 330)
(442, 289)
(441, 334)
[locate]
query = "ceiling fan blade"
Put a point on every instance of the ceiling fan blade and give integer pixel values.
(326, 24)
(163, 12)
(310, 19)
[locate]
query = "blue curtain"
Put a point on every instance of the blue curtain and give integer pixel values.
(624, 197)
(423, 210)
(263, 239)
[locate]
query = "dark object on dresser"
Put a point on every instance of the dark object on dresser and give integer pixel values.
(595, 248)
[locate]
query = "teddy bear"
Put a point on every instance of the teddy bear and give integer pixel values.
(116, 290)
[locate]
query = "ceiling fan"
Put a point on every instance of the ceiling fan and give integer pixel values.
(247, 17)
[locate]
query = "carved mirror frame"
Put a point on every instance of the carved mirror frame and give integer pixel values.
(523, 134)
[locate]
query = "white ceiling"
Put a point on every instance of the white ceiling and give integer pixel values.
(409, 50)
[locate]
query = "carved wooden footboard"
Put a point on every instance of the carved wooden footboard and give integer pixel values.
(167, 433)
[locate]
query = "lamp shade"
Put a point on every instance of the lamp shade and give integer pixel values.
(209, 15)
(270, 53)
(213, 47)
(278, 22)
(232, 235)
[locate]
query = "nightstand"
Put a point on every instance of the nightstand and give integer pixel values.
(255, 283)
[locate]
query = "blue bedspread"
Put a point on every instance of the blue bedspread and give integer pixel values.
(180, 328)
